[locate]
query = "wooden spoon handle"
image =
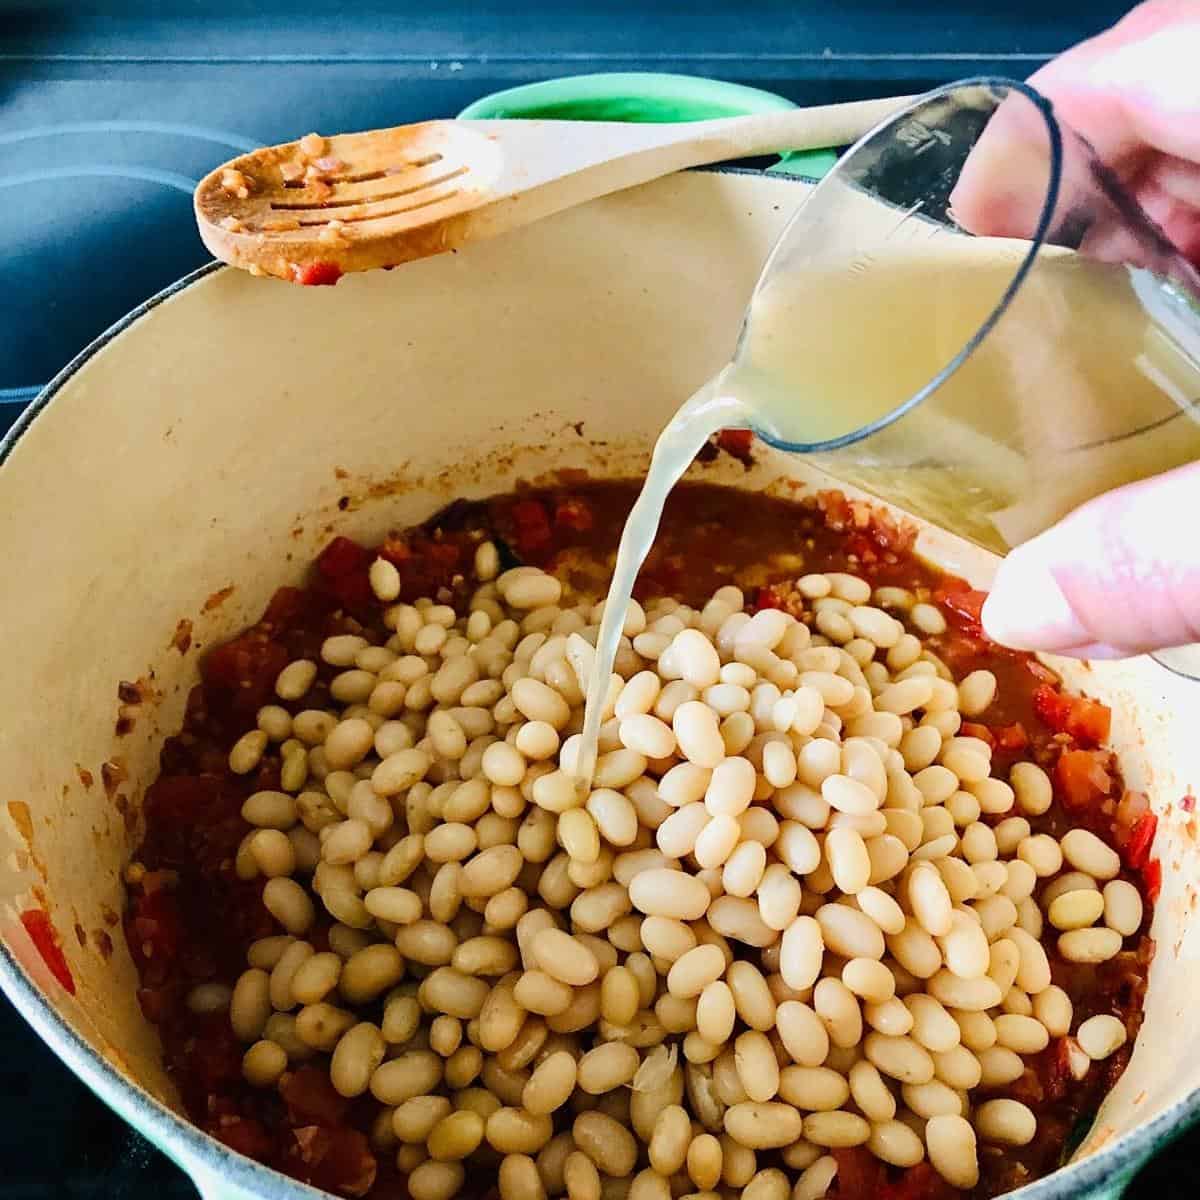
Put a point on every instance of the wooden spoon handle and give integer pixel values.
(817, 128)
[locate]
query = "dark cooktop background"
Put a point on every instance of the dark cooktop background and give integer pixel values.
(109, 113)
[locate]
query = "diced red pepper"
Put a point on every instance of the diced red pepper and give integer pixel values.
(42, 935)
(1188, 802)
(1083, 779)
(317, 274)
(1087, 721)
(1141, 838)
(1152, 877)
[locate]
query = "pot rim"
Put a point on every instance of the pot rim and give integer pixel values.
(211, 1163)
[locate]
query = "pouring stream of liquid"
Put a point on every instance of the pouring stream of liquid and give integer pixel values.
(1077, 389)
(708, 411)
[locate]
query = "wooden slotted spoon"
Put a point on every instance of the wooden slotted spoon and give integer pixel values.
(318, 208)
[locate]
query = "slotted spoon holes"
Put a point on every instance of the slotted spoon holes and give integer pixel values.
(366, 175)
(352, 217)
(383, 172)
(344, 204)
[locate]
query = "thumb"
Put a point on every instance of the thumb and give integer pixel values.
(1118, 576)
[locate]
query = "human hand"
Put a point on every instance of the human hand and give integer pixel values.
(1121, 574)
(1118, 576)
(1133, 93)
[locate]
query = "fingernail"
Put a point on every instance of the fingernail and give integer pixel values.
(1028, 610)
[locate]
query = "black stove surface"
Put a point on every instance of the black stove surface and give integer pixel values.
(108, 115)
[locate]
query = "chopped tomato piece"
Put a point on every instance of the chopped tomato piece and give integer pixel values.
(1048, 704)
(343, 566)
(287, 606)
(1028, 1088)
(736, 442)
(1188, 802)
(534, 536)
(395, 549)
(890, 536)
(975, 730)
(573, 514)
(310, 1097)
(1141, 838)
(964, 606)
(1087, 721)
(41, 933)
(1130, 809)
(317, 274)
(348, 1166)
(1040, 671)
(426, 563)
(342, 557)
(242, 1134)
(921, 1182)
(154, 929)
(1056, 1069)
(950, 584)
(860, 1174)
(245, 669)
(216, 1057)
(765, 597)
(1082, 778)
(1011, 737)
(861, 547)
(334, 1159)
(156, 1003)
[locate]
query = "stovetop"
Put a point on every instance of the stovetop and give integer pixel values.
(108, 115)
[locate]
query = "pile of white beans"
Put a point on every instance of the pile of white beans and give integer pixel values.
(796, 911)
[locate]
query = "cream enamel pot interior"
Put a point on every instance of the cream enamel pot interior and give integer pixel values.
(208, 442)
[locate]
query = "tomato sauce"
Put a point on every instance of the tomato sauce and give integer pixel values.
(190, 919)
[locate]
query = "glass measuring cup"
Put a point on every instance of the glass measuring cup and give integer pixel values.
(971, 319)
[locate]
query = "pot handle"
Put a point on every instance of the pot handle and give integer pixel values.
(636, 96)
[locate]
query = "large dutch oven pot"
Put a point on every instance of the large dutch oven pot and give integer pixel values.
(215, 439)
